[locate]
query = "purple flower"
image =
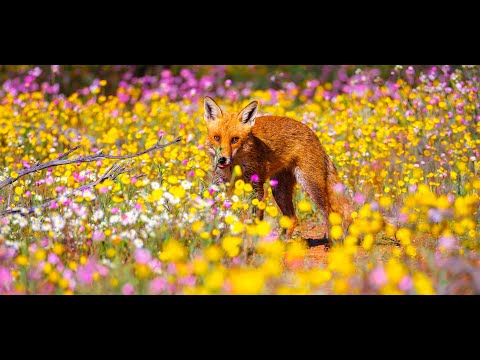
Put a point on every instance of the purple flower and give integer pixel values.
(158, 285)
(405, 283)
(52, 258)
(142, 256)
(359, 198)
(98, 235)
(447, 242)
(435, 215)
(378, 277)
(255, 178)
(6, 278)
(172, 268)
(338, 188)
(273, 182)
(128, 289)
(85, 276)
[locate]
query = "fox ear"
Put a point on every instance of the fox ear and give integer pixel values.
(247, 115)
(212, 110)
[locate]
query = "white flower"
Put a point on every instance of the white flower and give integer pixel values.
(46, 227)
(155, 185)
(97, 215)
(58, 223)
(187, 185)
(138, 243)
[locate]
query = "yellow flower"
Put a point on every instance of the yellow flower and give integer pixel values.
(213, 253)
(305, 206)
(404, 235)
(340, 286)
(385, 202)
(200, 266)
(239, 184)
(18, 190)
(157, 194)
(263, 228)
(246, 281)
(231, 245)
(22, 260)
(172, 179)
(40, 255)
(172, 251)
(286, 222)
(395, 270)
(335, 218)
(272, 211)
(214, 280)
(111, 252)
(237, 228)
(58, 248)
(142, 271)
(336, 232)
(422, 284)
(318, 277)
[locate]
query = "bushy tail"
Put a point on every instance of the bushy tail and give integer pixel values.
(339, 199)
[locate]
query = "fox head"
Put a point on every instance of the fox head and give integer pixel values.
(227, 131)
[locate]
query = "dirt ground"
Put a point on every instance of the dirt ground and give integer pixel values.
(318, 248)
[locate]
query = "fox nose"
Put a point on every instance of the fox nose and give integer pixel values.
(222, 160)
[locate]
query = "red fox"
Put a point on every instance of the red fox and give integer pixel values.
(273, 147)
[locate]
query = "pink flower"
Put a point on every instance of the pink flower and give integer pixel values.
(378, 276)
(85, 275)
(142, 256)
(6, 278)
(447, 242)
(255, 178)
(227, 204)
(359, 198)
(114, 210)
(52, 258)
(128, 289)
(273, 182)
(338, 187)
(172, 268)
(405, 283)
(158, 285)
(98, 235)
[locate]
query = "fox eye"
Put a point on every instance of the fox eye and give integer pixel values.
(235, 140)
(217, 138)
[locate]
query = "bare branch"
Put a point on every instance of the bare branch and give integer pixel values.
(98, 156)
(112, 173)
(68, 152)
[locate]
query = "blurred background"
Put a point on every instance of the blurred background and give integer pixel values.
(71, 78)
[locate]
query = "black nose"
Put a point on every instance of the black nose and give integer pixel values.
(222, 160)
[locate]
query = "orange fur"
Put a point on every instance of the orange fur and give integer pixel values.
(275, 147)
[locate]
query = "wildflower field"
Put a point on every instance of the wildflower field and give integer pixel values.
(405, 141)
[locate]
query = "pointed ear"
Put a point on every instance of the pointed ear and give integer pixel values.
(248, 114)
(212, 110)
